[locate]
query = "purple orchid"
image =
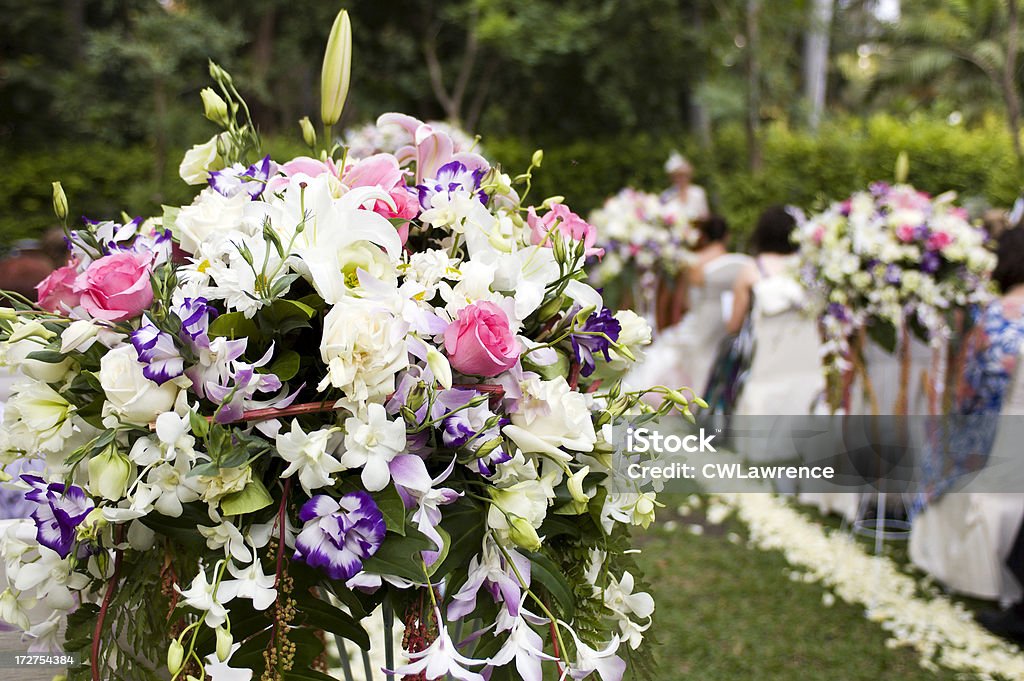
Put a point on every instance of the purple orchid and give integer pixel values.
(59, 511)
(451, 178)
(490, 570)
(339, 535)
(470, 427)
(416, 488)
(157, 351)
(584, 344)
(237, 179)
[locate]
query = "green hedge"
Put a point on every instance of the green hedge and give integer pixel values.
(799, 168)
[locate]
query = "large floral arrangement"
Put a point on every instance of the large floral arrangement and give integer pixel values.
(642, 235)
(323, 387)
(892, 259)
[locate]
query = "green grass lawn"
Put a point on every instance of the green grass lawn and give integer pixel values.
(726, 612)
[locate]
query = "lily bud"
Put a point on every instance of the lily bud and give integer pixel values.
(308, 133)
(552, 201)
(902, 167)
(219, 74)
(337, 70)
(583, 315)
(440, 367)
(175, 657)
(538, 158)
(8, 314)
(575, 485)
(109, 473)
(522, 534)
(224, 642)
(215, 108)
(60, 201)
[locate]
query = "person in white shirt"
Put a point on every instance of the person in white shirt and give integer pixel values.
(692, 196)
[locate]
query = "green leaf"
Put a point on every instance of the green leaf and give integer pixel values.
(286, 366)
(199, 425)
(392, 508)
(545, 571)
(322, 615)
(465, 522)
(251, 499)
(234, 325)
(400, 556)
(884, 334)
(48, 356)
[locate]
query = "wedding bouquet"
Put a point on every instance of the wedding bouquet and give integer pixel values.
(323, 387)
(889, 257)
(642, 235)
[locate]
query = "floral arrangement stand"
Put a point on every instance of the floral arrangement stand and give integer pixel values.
(892, 270)
(645, 244)
(326, 387)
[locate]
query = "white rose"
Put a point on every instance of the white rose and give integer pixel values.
(552, 415)
(132, 397)
(363, 347)
(199, 161)
(208, 217)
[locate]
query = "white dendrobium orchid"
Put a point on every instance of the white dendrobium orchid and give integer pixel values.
(441, 659)
(250, 582)
(604, 662)
(309, 455)
(226, 536)
(206, 597)
(524, 645)
(372, 444)
(621, 600)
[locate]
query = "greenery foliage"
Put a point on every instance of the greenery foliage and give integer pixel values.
(800, 168)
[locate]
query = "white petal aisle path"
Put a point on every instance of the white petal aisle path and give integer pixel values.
(942, 631)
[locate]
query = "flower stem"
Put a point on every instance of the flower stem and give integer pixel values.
(94, 657)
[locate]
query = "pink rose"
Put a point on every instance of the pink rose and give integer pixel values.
(116, 287)
(479, 342)
(56, 293)
(571, 226)
(939, 241)
(905, 233)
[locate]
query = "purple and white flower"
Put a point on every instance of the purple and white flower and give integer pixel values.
(195, 315)
(157, 351)
(339, 535)
(491, 571)
(452, 178)
(59, 511)
(238, 179)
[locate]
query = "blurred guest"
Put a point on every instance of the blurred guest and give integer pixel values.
(691, 196)
(683, 353)
(785, 376)
(965, 539)
(24, 267)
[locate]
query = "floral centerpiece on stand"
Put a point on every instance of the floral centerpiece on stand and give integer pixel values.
(323, 388)
(643, 239)
(889, 263)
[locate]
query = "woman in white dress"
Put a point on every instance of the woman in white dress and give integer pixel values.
(683, 353)
(786, 376)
